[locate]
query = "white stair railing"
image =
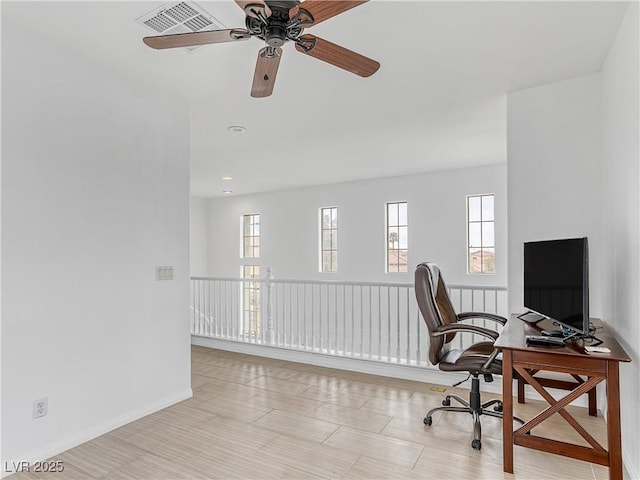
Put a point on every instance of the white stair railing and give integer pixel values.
(365, 320)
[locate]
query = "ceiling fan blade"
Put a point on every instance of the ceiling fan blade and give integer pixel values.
(197, 38)
(336, 55)
(264, 77)
(313, 12)
(254, 7)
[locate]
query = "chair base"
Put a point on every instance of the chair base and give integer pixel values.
(473, 407)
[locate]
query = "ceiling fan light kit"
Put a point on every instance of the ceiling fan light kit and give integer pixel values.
(277, 22)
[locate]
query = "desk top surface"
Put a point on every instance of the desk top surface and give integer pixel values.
(513, 337)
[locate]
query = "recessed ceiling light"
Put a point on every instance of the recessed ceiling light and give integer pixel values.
(227, 177)
(227, 192)
(236, 129)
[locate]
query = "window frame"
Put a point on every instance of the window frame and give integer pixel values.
(388, 232)
(333, 248)
(482, 245)
(250, 235)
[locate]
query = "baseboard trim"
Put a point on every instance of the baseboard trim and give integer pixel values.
(425, 374)
(372, 367)
(631, 468)
(94, 432)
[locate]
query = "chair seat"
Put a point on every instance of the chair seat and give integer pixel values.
(471, 360)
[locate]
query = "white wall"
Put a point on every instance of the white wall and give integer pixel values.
(199, 228)
(95, 194)
(554, 175)
(289, 226)
(572, 169)
(621, 201)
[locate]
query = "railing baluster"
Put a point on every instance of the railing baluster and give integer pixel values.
(379, 323)
(388, 324)
(282, 308)
(320, 337)
(208, 323)
(298, 342)
(320, 316)
(194, 316)
(335, 319)
(418, 337)
(344, 320)
(484, 306)
(408, 329)
(214, 302)
(361, 321)
(328, 322)
(313, 336)
(220, 314)
(195, 306)
(233, 286)
(370, 322)
(203, 308)
(225, 318)
(216, 306)
(202, 312)
(304, 295)
(353, 320)
(201, 317)
(398, 325)
(290, 316)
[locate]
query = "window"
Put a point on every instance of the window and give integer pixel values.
(251, 299)
(481, 247)
(251, 236)
(251, 317)
(397, 237)
(329, 239)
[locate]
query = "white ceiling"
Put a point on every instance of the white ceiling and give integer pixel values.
(437, 102)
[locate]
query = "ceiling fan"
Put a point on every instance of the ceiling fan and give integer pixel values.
(277, 22)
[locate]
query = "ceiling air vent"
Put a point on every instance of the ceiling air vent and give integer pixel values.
(180, 17)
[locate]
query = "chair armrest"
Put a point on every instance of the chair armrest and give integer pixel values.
(459, 328)
(487, 316)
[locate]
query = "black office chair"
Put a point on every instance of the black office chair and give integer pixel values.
(479, 359)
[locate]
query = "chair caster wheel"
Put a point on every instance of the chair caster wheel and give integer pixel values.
(446, 402)
(498, 408)
(427, 421)
(476, 445)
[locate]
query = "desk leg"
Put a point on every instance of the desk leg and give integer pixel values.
(593, 409)
(507, 411)
(613, 421)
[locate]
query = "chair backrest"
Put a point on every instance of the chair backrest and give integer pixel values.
(435, 307)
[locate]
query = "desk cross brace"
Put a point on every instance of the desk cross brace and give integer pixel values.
(557, 406)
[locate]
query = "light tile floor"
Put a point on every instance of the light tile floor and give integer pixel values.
(258, 418)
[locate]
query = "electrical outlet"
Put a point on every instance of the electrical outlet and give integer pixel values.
(40, 407)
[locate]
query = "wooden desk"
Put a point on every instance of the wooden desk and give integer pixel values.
(571, 359)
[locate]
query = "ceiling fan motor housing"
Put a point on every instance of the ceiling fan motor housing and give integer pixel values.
(275, 35)
(273, 30)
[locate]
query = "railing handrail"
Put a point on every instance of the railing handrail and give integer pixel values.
(350, 283)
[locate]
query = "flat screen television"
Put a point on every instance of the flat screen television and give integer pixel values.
(556, 282)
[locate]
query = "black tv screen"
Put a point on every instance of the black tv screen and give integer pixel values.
(556, 281)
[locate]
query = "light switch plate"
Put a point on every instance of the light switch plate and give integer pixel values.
(164, 273)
